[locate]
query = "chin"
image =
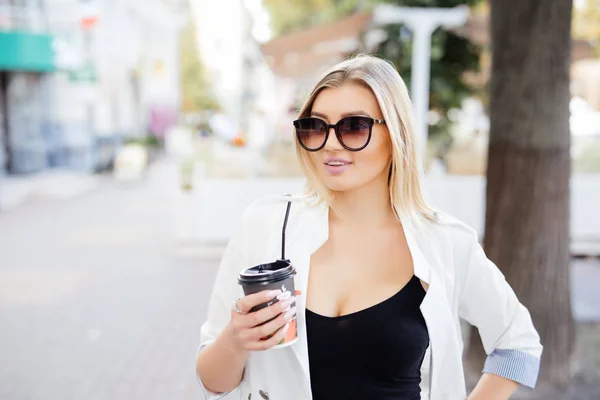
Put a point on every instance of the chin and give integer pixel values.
(339, 183)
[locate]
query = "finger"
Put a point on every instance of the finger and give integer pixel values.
(266, 330)
(259, 317)
(245, 304)
(267, 344)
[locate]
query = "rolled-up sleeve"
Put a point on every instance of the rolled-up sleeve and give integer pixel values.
(488, 302)
(225, 291)
(515, 365)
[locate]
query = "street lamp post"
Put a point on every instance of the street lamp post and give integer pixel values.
(422, 22)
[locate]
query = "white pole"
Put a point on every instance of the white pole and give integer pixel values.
(422, 22)
(420, 83)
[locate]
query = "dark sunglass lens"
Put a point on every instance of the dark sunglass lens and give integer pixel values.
(310, 132)
(354, 131)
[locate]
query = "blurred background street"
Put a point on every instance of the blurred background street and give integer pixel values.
(133, 134)
(96, 299)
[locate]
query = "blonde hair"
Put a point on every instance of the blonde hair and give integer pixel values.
(382, 78)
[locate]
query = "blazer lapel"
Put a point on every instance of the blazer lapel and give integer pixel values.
(310, 233)
(438, 318)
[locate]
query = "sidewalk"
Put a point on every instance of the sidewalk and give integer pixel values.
(53, 184)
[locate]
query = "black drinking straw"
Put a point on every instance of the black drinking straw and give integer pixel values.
(285, 221)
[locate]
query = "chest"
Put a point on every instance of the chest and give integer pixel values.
(356, 269)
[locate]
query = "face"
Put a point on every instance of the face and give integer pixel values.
(339, 168)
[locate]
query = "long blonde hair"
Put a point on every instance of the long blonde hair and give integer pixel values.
(382, 78)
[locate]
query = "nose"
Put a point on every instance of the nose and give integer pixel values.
(332, 141)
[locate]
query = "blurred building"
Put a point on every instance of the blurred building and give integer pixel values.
(79, 76)
(26, 62)
(242, 80)
(299, 57)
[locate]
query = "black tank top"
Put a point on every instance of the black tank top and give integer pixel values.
(374, 354)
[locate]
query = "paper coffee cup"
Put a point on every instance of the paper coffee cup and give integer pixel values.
(278, 275)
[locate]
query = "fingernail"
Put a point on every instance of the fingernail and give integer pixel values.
(287, 303)
(284, 296)
(285, 328)
(291, 312)
(273, 293)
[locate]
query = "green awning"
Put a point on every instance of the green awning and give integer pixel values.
(21, 51)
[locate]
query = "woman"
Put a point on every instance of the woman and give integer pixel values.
(378, 314)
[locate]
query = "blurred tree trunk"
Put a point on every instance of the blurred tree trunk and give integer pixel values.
(527, 218)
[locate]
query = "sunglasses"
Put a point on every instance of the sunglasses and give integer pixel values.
(353, 133)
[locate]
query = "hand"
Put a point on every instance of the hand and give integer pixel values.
(262, 329)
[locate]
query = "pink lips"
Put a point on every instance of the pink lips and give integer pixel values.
(340, 165)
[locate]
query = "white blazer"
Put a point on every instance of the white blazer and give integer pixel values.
(446, 254)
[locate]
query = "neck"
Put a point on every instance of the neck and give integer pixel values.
(368, 205)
